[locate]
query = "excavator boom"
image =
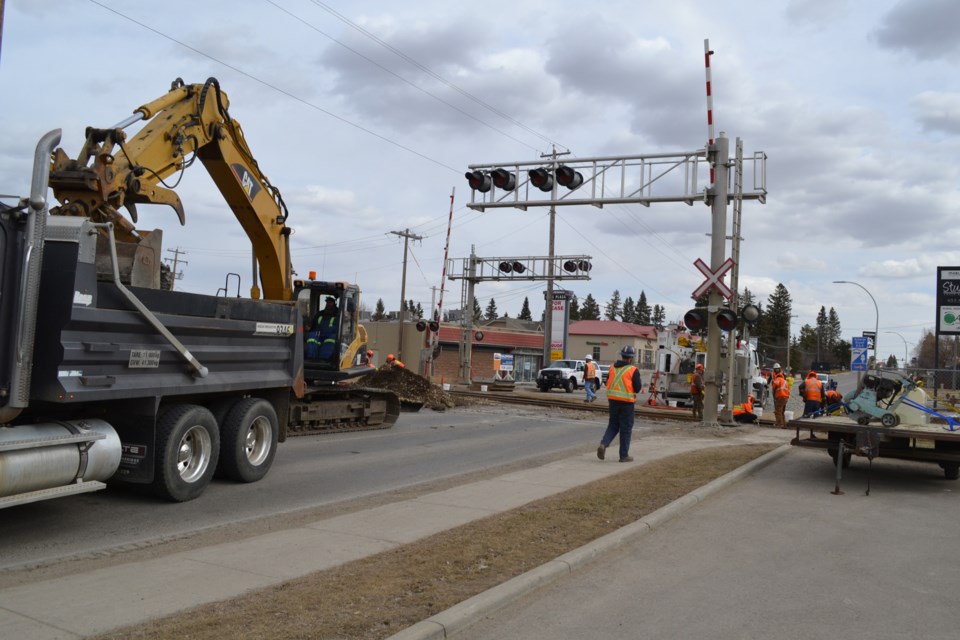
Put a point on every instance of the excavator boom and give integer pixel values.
(114, 171)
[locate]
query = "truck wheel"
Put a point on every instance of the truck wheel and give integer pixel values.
(188, 444)
(544, 388)
(570, 385)
(951, 471)
(248, 440)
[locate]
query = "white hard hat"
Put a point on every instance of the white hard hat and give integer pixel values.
(776, 365)
(588, 357)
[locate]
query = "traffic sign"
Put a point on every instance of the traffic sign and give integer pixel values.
(859, 343)
(713, 280)
(858, 359)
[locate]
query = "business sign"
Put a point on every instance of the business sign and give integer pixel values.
(503, 361)
(948, 301)
(560, 321)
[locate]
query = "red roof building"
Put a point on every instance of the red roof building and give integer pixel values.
(603, 339)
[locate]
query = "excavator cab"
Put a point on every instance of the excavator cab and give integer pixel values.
(334, 342)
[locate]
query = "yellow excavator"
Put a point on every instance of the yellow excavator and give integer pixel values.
(114, 171)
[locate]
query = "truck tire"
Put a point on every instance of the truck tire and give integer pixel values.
(570, 385)
(188, 445)
(248, 440)
(951, 470)
(543, 388)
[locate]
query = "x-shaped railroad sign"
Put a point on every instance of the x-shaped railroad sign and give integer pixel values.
(713, 280)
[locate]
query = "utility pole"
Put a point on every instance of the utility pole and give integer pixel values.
(406, 235)
(175, 275)
(548, 310)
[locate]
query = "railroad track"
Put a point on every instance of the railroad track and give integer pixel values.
(576, 404)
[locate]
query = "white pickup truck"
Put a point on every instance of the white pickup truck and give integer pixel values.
(563, 374)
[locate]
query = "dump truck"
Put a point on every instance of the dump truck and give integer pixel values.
(107, 373)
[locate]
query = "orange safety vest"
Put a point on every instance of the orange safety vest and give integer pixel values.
(591, 371)
(780, 387)
(746, 407)
(620, 384)
(812, 389)
(695, 389)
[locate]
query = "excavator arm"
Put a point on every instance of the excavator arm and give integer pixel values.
(114, 171)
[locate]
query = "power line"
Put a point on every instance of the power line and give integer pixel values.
(278, 89)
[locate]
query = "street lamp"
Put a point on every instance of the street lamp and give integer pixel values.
(876, 326)
(906, 358)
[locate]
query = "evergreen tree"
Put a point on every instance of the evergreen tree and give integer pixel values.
(381, 312)
(775, 323)
(643, 310)
(477, 312)
(419, 310)
(525, 310)
(575, 309)
(833, 329)
(590, 309)
(658, 317)
(613, 310)
(629, 310)
(822, 331)
(491, 312)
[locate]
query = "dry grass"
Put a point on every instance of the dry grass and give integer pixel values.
(378, 596)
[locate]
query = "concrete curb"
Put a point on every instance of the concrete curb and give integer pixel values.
(458, 617)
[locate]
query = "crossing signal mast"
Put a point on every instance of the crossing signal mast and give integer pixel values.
(643, 179)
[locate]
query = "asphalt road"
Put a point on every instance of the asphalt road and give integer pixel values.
(309, 472)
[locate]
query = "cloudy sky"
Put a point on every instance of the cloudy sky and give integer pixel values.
(366, 115)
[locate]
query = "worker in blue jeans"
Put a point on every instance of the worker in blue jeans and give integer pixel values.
(623, 382)
(589, 376)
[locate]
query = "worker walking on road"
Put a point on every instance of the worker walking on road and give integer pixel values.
(589, 378)
(811, 390)
(781, 393)
(623, 382)
(696, 391)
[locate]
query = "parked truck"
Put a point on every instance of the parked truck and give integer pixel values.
(106, 373)
(678, 353)
(562, 374)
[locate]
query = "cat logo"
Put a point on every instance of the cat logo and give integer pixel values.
(247, 183)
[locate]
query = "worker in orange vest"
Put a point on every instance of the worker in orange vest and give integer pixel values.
(744, 412)
(369, 361)
(781, 393)
(589, 376)
(623, 383)
(696, 391)
(812, 393)
(393, 362)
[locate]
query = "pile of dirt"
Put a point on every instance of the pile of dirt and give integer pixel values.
(410, 387)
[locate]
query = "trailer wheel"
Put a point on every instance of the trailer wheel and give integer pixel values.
(570, 385)
(248, 440)
(863, 421)
(188, 445)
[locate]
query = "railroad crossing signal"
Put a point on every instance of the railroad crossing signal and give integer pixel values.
(713, 280)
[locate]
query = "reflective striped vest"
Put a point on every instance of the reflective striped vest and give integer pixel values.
(620, 384)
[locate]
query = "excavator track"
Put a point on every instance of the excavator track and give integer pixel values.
(343, 408)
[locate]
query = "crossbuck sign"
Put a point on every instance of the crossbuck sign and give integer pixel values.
(713, 280)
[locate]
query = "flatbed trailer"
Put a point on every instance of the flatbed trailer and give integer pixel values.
(931, 442)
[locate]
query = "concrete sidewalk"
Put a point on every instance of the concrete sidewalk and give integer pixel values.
(96, 601)
(776, 556)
